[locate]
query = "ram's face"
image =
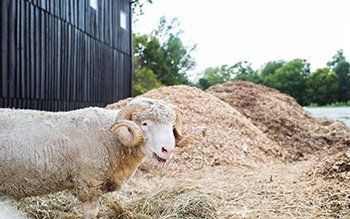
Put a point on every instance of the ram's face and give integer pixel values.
(159, 140)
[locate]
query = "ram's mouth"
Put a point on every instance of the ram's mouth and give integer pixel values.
(159, 159)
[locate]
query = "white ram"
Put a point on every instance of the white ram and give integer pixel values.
(91, 150)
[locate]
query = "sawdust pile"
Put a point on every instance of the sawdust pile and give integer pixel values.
(334, 195)
(231, 138)
(334, 166)
(335, 199)
(282, 118)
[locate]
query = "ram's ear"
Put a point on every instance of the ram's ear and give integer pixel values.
(180, 140)
(188, 139)
(177, 130)
(184, 141)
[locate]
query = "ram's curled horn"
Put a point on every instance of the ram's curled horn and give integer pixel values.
(128, 132)
(126, 113)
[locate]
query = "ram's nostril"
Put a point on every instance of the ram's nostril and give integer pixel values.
(164, 150)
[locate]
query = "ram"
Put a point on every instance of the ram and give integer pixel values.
(91, 151)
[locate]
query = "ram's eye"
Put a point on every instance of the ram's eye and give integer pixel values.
(144, 124)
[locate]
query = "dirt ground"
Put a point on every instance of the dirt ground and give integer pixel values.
(275, 190)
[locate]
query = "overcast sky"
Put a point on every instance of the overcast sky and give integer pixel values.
(228, 31)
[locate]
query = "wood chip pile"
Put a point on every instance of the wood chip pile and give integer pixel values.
(231, 138)
(334, 192)
(283, 119)
(335, 166)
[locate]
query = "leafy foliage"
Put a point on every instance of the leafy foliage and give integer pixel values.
(245, 72)
(144, 80)
(176, 57)
(341, 67)
(137, 6)
(162, 53)
(339, 57)
(239, 71)
(291, 79)
(215, 75)
(270, 68)
(322, 87)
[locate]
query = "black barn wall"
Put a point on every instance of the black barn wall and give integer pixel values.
(60, 55)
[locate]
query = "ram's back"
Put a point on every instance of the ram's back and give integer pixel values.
(40, 150)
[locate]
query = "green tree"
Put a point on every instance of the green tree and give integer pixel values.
(144, 80)
(341, 67)
(239, 71)
(137, 7)
(164, 53)
(291, 79)
(167, 28)
(203, 83)
(146, 50)
(270, 68)
(177, 57)
(243, 71)
(322, 87)
(215, 75)
(177, 61)
(339, 57)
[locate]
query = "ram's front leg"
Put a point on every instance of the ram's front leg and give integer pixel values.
(91, 208)
(89, 196)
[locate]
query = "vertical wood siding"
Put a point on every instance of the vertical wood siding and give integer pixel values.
(60, 55)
